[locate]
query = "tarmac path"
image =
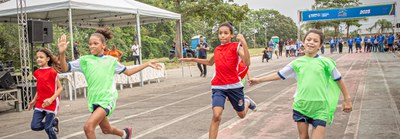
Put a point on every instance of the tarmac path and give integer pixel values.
(180, 107)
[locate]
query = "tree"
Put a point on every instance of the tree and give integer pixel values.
(326, 4)
(383, 24)
(351, 22)
(267, 23)
(209, 12)
(9, 48)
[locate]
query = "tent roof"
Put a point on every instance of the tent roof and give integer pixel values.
(88, 13)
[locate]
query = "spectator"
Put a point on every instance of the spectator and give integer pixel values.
(77, 54)
(115, 53)
(202, 47)
(136, 53)
(340, 45)
(281, 44)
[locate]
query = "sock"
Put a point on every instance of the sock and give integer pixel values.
(248, 101)
(124, 135)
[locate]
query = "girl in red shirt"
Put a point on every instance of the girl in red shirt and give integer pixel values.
(47, 95)
(226, 81)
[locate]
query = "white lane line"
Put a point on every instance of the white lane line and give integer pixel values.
(160, 126)
(180, 118)
(142, 113)
(131, 103)
(86, 115)
(261, 106)
(155, 128)
(161, 107)
(392, 102)
(236, 120)
(124, 105)
(353, 123)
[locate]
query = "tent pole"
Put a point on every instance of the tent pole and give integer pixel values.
(299, 28)
(140, 44)
(71, 33)
(180, 43)
(72, 46)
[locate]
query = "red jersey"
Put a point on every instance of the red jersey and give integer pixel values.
(46, 87)
(226, 59)
(242, 69)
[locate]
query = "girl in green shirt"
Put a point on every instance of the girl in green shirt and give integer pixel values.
(99, 73)
(319, 84)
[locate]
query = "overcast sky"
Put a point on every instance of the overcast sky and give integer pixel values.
(290, 7)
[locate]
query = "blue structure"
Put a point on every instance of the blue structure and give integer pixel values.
(345, 13)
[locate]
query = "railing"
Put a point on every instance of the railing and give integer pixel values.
(149, 74)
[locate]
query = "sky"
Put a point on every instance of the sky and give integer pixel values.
(290, 8)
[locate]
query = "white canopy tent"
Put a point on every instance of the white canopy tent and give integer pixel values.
(88, 13)
(92, 14)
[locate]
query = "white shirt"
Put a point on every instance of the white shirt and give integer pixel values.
(136, 50)
(287, 47)
(292, 46)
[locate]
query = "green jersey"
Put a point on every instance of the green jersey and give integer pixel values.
(99, 74)
(317, 92)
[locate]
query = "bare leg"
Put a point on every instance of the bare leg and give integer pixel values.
(302, 127)
(318, 133)
(216, 119)
(108, 129)
(94, 120)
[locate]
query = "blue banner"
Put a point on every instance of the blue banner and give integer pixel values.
(345, 13)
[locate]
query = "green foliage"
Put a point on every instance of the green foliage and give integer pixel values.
(153, 48)
(383, 25)
(265, 24)
(199, 17)
(9, 47)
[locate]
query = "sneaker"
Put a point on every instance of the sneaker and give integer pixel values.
(253, 105)
(128, 132)
(56, 121)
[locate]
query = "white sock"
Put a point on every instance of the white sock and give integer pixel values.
(124, 135)
(248, 101)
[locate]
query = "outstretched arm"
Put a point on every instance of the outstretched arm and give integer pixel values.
(270, 77)
(62, 46)
(201, 61)
(347, 105)
(151, 63)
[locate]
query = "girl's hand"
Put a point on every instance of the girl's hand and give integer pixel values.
(347, 106)
(62, 43)
(31, 104)
(240, 38)
(254, 81)
(185, 59)
(47, 102)
(153, 64)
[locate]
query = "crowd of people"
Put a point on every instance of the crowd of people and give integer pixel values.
(292, 49)
(367, 44)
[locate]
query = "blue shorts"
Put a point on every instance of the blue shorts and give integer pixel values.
(298, 117)
(95, 106)
(235, 96)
